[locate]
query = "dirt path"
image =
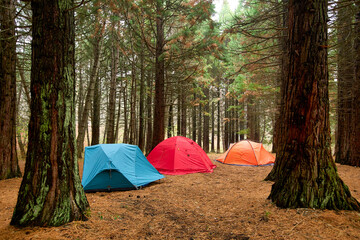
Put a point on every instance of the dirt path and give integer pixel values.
(227, 204)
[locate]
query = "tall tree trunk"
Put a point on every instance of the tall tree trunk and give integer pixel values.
(95, 120)
(237, 125)
(141, 142)
(226, 123)
(307, 175)
(257, 122)
(212, 125)
(19, 133)
(345, 80)
(242, 122)
(206, 125)
(218, 143)
(193, 114)
(355, 143)
(80, 94)
(183, 112)
(252, 119)
(282, 75)
(110, 133)
(170, 121)
(199, 127)
(149, 114)
(132, 139)
(51, 193)
(20, 68)
(125, 100)
(159, 98)
(9, 167)
(118, 113)
(178, 115)
(83, 119)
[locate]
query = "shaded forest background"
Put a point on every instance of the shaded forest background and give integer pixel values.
(221, 73)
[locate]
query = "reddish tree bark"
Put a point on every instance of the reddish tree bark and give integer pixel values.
(9, 167)
(307, 175)
(51, 193)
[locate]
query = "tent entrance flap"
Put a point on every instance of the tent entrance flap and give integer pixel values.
(109, 179)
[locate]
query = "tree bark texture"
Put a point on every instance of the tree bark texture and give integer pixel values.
(345, 81)
(159, 98)
(206, 119)
(51, 193)
(193, 119)
(141, 140)
(213, 125)
(125, 100)
(170, 121)
(183, 124)
(95, 119)
(218, 142)
(149, 111)
(132, 139)
(307, 174)
(200, 126)
(355, 143)
(9, 167)
(110, 135)
(283, 23)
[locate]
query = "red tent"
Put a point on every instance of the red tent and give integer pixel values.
(178, 156)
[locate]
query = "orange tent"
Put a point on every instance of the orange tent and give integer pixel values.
(247, 153)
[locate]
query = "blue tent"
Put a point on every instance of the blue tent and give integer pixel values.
(116, 167)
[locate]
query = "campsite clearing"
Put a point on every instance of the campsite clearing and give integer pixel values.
(229, 203)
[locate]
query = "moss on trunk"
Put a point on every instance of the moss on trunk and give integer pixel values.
(305, 174)
(51, 193)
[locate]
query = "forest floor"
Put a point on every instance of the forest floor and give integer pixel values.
(230, 203)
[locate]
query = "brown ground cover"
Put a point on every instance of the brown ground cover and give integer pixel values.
(229, 203)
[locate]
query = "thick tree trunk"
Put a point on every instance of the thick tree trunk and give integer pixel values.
(345, 80)
(307, 174)
(110, 133)
(9, 167)
(51, 193)
(355, 143)
(159, 98)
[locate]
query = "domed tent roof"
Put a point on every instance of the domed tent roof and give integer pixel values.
(247, 153)
(116, 167)
(180, 155)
